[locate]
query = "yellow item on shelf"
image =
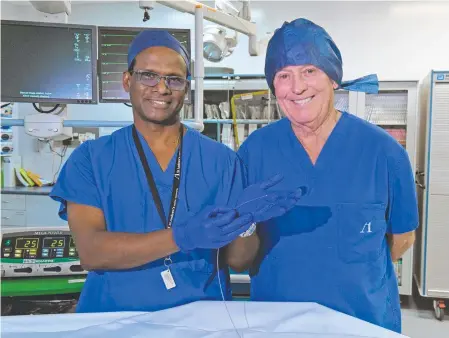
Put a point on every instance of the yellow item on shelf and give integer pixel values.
(234, 112)
(26, 178)
(35, 178)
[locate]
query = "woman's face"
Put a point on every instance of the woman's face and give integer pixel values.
(304, 93)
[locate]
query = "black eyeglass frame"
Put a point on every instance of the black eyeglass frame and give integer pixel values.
(158, 79)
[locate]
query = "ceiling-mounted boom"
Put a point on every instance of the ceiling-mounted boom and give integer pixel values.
(211, 14)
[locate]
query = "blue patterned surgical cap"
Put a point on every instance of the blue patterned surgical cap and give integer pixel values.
(156, 38)
(301, 42)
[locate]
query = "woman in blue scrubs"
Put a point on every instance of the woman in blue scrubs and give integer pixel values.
(149, 205)
(337, 248)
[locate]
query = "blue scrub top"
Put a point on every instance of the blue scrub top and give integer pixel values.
(332, 248)
(107, 174)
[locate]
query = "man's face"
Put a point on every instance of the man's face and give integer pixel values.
(305, 93)
(159, 103)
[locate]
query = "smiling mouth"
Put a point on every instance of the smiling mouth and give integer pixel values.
(303, 102)
(159, 103)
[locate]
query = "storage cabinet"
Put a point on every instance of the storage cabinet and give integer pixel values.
(431, 270)
(42, 211)
(13, 217)
(30, 211)
(13, 202)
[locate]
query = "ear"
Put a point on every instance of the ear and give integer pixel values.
(334, 85)
(126, 81)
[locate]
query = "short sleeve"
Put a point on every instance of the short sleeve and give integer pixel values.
(76, 182)
(403, 205)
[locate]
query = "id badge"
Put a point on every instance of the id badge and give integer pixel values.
(167, 277)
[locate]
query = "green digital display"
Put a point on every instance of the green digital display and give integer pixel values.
(54, 242)
(27, 243)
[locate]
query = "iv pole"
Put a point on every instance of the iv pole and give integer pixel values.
(199, 71)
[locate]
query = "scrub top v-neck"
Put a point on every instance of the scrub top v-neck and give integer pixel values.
(301, 160)
(108, 174)
(160, 175)
(332, 247)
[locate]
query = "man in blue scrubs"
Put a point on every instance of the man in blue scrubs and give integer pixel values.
(337, 248)
(149, 205)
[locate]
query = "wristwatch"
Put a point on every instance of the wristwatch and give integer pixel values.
(250, 231)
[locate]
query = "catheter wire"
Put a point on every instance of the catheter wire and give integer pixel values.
(218, 270)
(222, 294)
(252, 200)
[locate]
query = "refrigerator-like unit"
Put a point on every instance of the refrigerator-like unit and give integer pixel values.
(432, 248)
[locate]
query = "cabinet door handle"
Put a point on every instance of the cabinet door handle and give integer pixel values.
(6, 202)
(5, 217)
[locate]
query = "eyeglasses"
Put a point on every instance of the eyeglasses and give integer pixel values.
(151, 79)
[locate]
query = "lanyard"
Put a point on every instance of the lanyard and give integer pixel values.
(176, 179)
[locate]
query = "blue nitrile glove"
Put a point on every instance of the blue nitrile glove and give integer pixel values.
(265, 204)
(211, 228)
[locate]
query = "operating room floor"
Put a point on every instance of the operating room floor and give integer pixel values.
(418, 319)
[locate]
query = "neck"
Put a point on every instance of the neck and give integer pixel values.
(157, 134)
(320, 128)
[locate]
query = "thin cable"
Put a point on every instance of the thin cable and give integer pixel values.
(60, 164)
(252, 200)
(61, 109)
(46, 111)
(222, 294)
(61, 157)
(218, 271)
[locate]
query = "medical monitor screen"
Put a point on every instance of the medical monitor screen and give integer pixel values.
(47, 62)
(113, 45)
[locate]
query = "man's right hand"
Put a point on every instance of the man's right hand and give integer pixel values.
(211, 228)
(265, 203)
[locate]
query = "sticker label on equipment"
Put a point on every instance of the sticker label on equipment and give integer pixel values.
(30, 261)
(72, 281)
(440, 77)
(246, 96)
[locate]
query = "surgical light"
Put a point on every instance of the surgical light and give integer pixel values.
(227, 7)
(216, 46)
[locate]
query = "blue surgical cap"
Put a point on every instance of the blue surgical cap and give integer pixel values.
(302, 42)
(156, 38)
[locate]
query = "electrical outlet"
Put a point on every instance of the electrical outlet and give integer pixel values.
(85, 134)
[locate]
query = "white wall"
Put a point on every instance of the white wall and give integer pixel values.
(397, 40)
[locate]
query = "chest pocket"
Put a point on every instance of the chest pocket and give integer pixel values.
(361, 231)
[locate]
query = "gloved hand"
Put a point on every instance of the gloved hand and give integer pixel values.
(264, 204)
(211, 228)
